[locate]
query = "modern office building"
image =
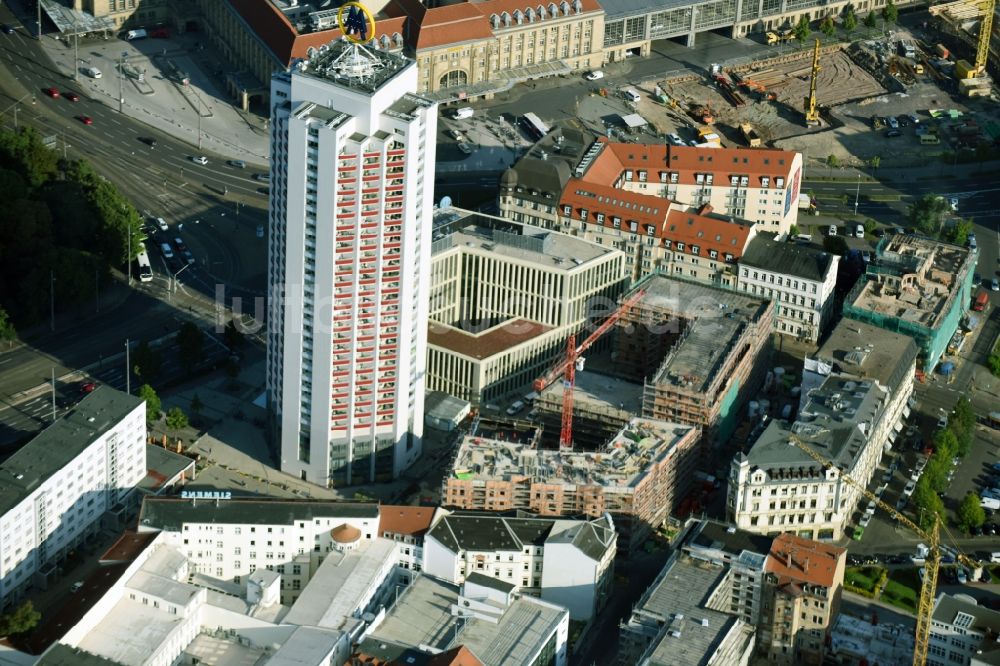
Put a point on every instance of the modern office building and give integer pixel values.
(963, 633)
(56, 489)
(701, 351)
(638, 477)
(352, 153)
(802, 590)
(851, 414)
(227, 540)
(566, 562)
(919, 287)
(504, 299)
(801, 280)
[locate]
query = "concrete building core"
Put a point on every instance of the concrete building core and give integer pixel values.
(638, 477)
(918, 287)
(700, 350)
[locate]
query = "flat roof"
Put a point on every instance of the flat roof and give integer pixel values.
(352, 66)
(423, 616)
(622, 463)
(130, 632)
(601, 389)
(829, 423)
(485, 344)
(765, 253)
(335, 591)
(715, 318)
(162, 466)
(167, 513)
(61, 654)
(914, 280)
(690, 630)
(472, 232)
(861, 349)
(728, 539)
(56, 446)
(306, 645)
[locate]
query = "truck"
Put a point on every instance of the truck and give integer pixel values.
(907, 49)
(750, 134)
(778, 37)
(982, 298)
(135, 34)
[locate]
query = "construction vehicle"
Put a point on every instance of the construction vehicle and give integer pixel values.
(963, 11)
(812, 113)
(778, 37)
(568, 365)
(750, 134)
(925, 604)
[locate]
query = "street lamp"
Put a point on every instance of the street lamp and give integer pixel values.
(173, 278)
(857, 194)
(76, 52)
(121, 81)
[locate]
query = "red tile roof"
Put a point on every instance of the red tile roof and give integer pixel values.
(458, 656)
(687, 161)
(128, 547)
(794, 559)
(411, 520)
(668, 221)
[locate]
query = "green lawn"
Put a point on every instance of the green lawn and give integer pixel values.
(903, 589)
(862, 577)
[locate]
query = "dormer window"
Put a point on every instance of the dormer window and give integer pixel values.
(642, 176)
(567, 210)
(699, 178)
(779, 182)
(765, 182)
(616, 222)
(650, 230)
(674, 177)
(600, 218)
(680, 246)
(633, 226)
(695, 249)
(708, 178)
(583, 213)
(628, 174)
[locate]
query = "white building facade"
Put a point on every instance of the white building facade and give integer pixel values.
(800, 280)
(349, 264)
(54, 491)
(230, 540)
(565, 562)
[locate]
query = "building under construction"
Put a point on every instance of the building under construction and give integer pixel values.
(639, 476)
(700, 351)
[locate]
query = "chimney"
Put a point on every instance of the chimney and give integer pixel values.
(705, 209)
(789, 562)
(805, 565)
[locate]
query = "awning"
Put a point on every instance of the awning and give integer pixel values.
(634, 121)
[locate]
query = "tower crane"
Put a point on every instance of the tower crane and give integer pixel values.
(956, 11)
(925, 604)
(572, 361)
(812, 114)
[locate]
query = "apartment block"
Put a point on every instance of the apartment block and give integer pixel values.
(802, 590)
(637, 478)
(566, 562)
(916, 286)
(701, 352)
(407, 527)
(854, 404)
(55, 490)
(228, 540)
(352, 159)
(504, 299)
(801, 280)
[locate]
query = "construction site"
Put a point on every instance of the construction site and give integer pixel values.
(639, 476)
(909, 95)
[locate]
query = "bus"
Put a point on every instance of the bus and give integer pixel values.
(145, 268)
(533, 125)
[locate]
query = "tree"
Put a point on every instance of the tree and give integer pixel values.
(925, 498)
(875, 162)
(21, 619)
(850, 19)
(937, 473)
(870, 226)
(793, 231)
(190, 343)
(958, 233)
(835, 245)
(963, 416)
(176, 419)
(801, 29)
(945, 443)
(970, 512)
(889, 12)
(870, 20)
(7, 332)
(993, 362)
(832, 161)
(926, 213)
(146, 362)
(147, 393)
(828, 27)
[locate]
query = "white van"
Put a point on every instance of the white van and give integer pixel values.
(92, 72)
(464, 112)
(631, 95)
(859, 231)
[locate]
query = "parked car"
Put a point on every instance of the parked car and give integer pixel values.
(75, 587)
(893, 133)
(994, 285)
(200, 159)
(162, 224)
(892, 122)
(910, 487)
(865, 519)
(594, 75)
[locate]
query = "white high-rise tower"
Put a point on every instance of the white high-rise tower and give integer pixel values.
(352, 154)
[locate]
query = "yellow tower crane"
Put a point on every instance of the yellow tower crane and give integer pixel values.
(925, 605)
(812, 114)
(963, 10)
